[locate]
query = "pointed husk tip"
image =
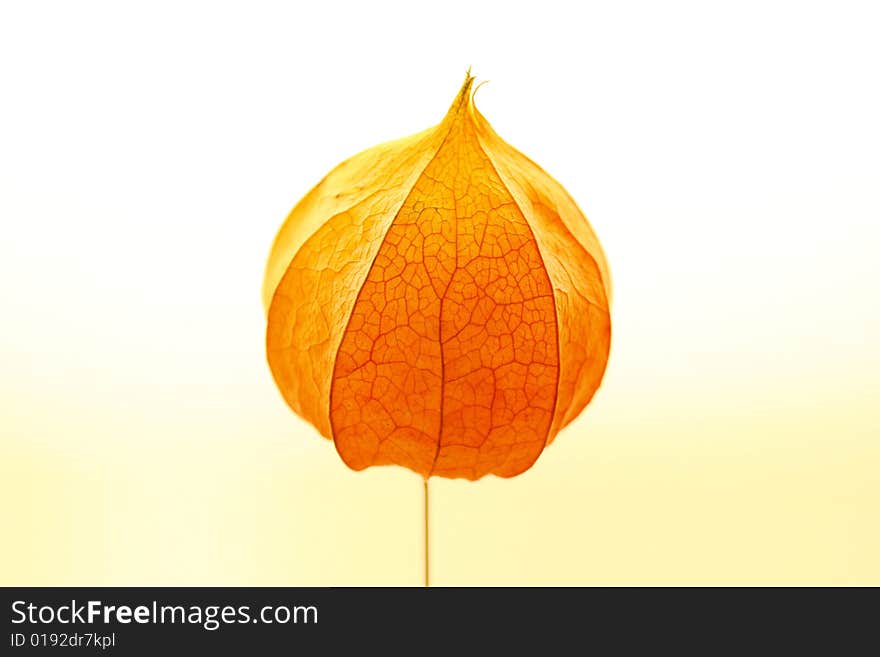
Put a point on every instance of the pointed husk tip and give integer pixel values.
(465, 94)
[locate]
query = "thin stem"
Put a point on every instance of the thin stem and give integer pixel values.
(427, 560)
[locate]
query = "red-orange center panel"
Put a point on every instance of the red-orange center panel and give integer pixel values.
(449, 363)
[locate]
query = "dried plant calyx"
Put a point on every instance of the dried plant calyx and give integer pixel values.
(440, 303)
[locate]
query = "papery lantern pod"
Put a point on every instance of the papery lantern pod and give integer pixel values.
(440, 303)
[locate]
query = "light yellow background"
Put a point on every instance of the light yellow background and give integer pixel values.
(726, 158)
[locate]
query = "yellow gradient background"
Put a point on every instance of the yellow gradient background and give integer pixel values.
(726, 158)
